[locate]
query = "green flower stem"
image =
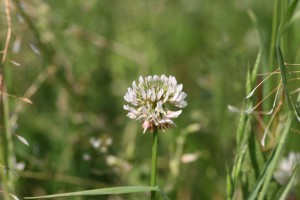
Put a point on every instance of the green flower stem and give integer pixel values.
(6, 144)
(154, 162)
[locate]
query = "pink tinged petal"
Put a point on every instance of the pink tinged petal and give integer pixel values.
(148, 94)
(176, 90)
(167, 96)
(142, 114)
(131, 115)
(141, 80)
(135, 102)
(168, 121)
(173, 114)
(134, 85)
(180, 104)
(145, 125)
(127, 98)
(132, 96)
(129, 90)
(125, 107)
(153, 95)
(149, 78)
(179, 87)
(181, 97)
(174, 98)
(129, 94)
(140, 86)
(159, 94)
(159, 106)
(130, 109)
(144, 94)
(145, 110)
(157, 89)
(172, 80)
(171, 90)
(180, 100)
(155, 78)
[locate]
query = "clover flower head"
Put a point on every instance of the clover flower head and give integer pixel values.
(286, 167)
(151, 98)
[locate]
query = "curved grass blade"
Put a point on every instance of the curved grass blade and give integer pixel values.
(287, 18)
(14, 197)
(283, 74)
(105, 191)
(261, 186)
(283, 25)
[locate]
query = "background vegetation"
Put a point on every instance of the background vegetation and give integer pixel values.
(75, 59)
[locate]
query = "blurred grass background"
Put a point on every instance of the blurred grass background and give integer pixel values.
(78, 58)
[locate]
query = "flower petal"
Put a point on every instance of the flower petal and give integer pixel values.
(173, 114)
(153, 95)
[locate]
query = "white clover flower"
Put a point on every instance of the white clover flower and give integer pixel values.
(286, 167)
(150, 99)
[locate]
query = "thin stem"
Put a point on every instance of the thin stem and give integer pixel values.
(154, 162)
(47, 51)
(8, 35)
(6, 144)
(273, 34)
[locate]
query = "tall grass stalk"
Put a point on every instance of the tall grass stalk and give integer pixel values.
(5, 148)
(6, 144)
(7, 151)
(256, 163)
(273, 35)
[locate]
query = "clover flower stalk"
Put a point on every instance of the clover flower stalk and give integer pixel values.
(151, 101)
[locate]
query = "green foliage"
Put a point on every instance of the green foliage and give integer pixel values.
(105, 191)
(75, 59)
(260, 184)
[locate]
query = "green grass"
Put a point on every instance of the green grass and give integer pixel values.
(91, 51)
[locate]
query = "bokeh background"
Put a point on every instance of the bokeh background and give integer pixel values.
(77, 59)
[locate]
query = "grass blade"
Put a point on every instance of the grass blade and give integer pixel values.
(243, 132)
(283, 73)
(283, 25)
(14, 197)
(267, 173)
(105, 191)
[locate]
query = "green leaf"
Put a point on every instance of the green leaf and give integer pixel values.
(287, 17)
(261, 186)
(105, 191)
(283, 25)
